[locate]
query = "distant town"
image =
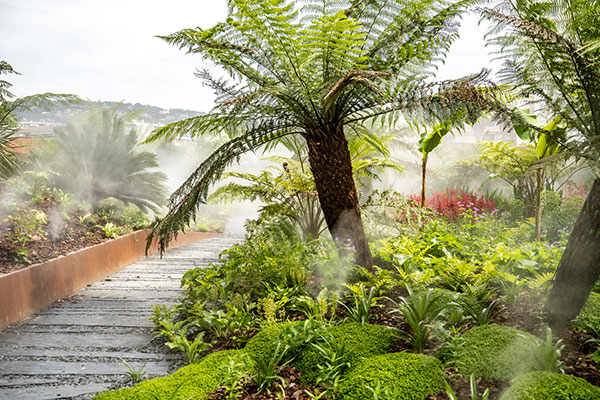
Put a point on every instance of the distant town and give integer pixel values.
(41, 123)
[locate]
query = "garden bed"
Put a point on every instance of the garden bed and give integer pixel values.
(35, 287)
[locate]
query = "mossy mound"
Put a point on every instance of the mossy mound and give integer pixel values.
(550, 386)
(262, 346)
(589, 317)
(496, 352)
(360, 341)
(194, 381)
(405, 376)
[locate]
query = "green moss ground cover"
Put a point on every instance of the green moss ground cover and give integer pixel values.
(496, 352)
(550, 386)
(404, 376)
(194, 381)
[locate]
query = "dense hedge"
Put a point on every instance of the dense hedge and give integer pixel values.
(550, 386)
(194, 381)
(405, 376)
(496, 352)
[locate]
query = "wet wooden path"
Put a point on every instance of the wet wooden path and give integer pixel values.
(74, 348)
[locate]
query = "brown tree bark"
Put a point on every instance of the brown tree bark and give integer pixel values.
(331, 166)
(579, 267)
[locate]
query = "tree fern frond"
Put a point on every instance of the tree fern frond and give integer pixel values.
(185, 200)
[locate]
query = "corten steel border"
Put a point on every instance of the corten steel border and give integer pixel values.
(36, 287)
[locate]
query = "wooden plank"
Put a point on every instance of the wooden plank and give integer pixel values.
(53, 392)
(33, 368)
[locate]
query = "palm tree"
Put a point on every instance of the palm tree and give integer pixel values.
(553, 58)
(97, 159)
(316, 71)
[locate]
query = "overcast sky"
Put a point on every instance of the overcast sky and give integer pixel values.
(107, 49)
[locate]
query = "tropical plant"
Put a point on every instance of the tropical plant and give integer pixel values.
(9, 124)
(421, 311)
(316, 71)
(428, 141)
(97, 159)
(552, 58)
(363, 303)
(290, 190)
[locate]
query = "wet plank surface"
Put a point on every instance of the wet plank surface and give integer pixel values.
(74, 348)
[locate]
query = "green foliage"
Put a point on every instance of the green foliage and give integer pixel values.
(135, 374)
(552, 59)
(263, 345)
(9, 159)
(360, 311)
(359, 341)
(271, 257)
(98, 159)
(589, 317)
(314, 71)
(496, 352)
(472, 386)
(192, 350)
(550, 386)
(194, 381)
(421, 311)
(404, 375)
(26, 225)
(547, 353)
(266, 371)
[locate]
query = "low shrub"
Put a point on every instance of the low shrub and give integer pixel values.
(360, 341)
(496, 352)
(589, 317)
(550, 386)
(402, 375)
(194, 381)
(262, 346)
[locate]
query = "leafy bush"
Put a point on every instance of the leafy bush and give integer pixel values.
(496, 352)
(550, 386)
(404, 375)
(359, 340)
(589, 317)
(273, 256)
(194, 381)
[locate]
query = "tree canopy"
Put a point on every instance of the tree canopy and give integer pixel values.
(316, 69)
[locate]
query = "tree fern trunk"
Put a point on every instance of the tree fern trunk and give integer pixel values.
(579, 266)
(331, 166)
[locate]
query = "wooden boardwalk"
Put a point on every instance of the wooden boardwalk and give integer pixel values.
(74, 348)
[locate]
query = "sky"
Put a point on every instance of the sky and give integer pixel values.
(107, 49)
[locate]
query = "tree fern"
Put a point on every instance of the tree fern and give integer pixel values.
(315, 69)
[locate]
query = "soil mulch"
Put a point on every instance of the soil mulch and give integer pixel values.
(65, 237)
(288, 387)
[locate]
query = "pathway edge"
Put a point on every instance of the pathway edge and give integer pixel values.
(34, 288)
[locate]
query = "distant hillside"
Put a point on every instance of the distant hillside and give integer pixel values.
(61, 114)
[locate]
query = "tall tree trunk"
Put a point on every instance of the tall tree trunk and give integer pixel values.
(579, 266)
(331, 166)
(423, 176)
(538, 204)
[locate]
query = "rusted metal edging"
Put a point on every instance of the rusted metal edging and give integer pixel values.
(36, 287)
